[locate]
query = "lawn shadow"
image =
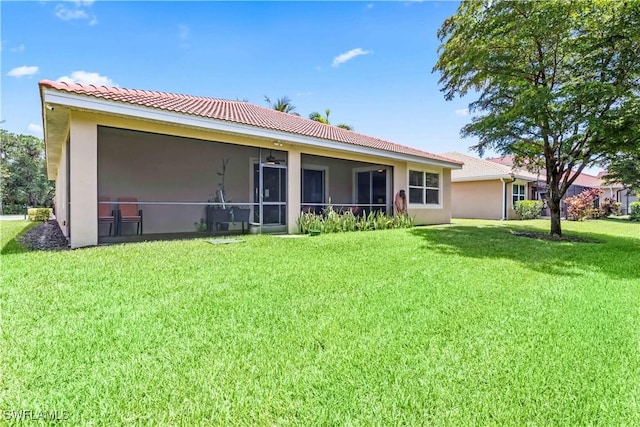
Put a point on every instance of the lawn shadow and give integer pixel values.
(623, 220)
(11, 245)
(616, 256)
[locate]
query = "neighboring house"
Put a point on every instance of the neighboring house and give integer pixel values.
(583, 182)
(618, 193)
(488, 190)
(167, 151)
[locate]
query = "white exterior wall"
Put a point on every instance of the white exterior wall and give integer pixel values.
(61, 202)
(293, 189)
(429, 214)
(84, 181)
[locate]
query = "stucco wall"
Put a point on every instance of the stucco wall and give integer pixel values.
(477, 199)
(162, 168)
(162, 162)
(430, 214)
(83, 181)
(60, 198)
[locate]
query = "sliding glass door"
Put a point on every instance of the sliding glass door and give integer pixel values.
(372, 188)
(270, 194)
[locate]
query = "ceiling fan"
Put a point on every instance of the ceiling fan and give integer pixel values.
(272, 160)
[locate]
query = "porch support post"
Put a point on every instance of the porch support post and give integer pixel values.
(399, 181)
(60, 196)
(294, 181)
(83, 181)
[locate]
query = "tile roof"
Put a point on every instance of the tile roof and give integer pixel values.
(583, 180)
(586, 180)
(475, 168)
(237, 112)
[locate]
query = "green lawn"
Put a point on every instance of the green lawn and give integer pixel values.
(458, 325)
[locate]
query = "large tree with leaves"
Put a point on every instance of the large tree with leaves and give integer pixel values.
(625, 170)
(556, 83)
(23, 172)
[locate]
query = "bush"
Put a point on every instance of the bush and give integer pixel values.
(331, 221)
(580, 206)
(13, 209)
(610, 207)
(39, 214)
(634, 211)
(529, 209)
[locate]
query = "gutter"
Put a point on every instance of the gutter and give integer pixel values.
(504, 199)
(505, 182)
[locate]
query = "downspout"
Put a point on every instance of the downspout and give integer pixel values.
(504, 199)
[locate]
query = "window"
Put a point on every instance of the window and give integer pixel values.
(424, 188)
(518, 193)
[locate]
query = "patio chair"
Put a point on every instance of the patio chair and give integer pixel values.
(129, 213)
(105, 213)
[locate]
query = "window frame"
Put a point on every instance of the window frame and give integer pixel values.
(424, 187)
(518, 196)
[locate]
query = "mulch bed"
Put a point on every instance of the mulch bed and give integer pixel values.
(45, 237)
(553, 238)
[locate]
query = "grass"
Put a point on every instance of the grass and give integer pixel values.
(460, 325)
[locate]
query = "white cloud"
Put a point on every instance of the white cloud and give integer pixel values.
(183, 35)
(370, 6)
(67, 14)
(23, 71)
(344, 57)
(462, 112)
(183, 32)
(17, 49)
(34, 128)
(87, 78)
(76, 9)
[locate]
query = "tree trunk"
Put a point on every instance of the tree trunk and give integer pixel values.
(554, 209)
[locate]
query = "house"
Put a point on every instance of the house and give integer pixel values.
(583, 182)
(488, 190)
(617, 192)
(186, 159)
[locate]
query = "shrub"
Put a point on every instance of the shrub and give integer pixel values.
(331, 221)
(529, 209)
(634, 211)
(201, 226)
(609, 207)
(39, 214)
(580, 206)
(13, 209)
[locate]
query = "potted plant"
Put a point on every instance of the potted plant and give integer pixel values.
(215, 214)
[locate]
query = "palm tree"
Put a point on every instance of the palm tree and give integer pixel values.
(315, 116)
(282, 104)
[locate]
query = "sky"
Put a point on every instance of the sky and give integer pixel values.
(370, 63)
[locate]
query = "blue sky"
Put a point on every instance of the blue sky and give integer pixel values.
(368, 62)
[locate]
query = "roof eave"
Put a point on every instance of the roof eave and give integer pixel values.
(490, 178)
(54, 96)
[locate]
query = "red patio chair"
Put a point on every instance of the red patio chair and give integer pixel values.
(105, 213)
(129, 213)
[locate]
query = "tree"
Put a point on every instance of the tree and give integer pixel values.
(325, 119)
(283, 105)
(557, 82)
(23, 172)
(625, 170)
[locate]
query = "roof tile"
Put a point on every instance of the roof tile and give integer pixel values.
(484, 169)
(238, 112)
